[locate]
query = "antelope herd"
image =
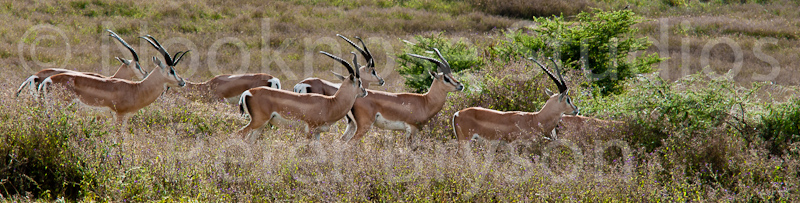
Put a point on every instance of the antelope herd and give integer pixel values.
(315, 103)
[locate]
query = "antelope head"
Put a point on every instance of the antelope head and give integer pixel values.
(443, 74)
(369, 69)
(561, 99)
(167, 68)
(130, 65)
(354, 79)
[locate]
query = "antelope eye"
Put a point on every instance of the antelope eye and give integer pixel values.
(172, 71)
(446, 79)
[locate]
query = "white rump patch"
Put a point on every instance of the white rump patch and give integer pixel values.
(276, 83)
(43, 85)
(301, 87)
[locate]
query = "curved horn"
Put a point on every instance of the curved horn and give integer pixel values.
(563, 86)
(370, 60)
(355, 62)
(133, 52)
(345, 63)
(446, 64)
(364, 53)
(437, 62)
(555, 80)
(178, 58)
(161, 49)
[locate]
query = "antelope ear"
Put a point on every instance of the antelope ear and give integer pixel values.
(563, 95)
(433, 74)
(124, 61)
(158, 62)
(341, 77)
(548, 92)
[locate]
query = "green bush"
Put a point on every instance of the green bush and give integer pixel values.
(601, 41)
(36, 154)
(781, 126)
(460, 55)
(692, 105)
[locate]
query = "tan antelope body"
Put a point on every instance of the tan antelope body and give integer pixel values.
(477, 122)
(232, 86)
(317, 112)
(129, 70)
(367, 73)
(120, 96)
(324, 87)
(403, 111)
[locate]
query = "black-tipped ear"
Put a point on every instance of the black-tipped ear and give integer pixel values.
(433, 74)
(548, 92)
(124, 61)
(158, 62)
(341, 77)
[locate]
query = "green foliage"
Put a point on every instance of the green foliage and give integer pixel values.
(461, 56)
(601, 41)
(37, 153)
(675, 2)
(781, 126)
(660, 109)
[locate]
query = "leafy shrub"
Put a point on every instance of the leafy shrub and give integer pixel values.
(601, 41)
(781, 126)
(691, 105)
(675, 2)
(36, 156)
(530, 8)
(460, 55)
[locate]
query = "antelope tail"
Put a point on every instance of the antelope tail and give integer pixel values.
(243, 100)
(30, 82)
(43, 85)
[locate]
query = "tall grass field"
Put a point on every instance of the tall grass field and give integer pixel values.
(693, 101)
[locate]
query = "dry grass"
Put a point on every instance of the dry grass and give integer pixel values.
(529, 8)
(756, 46)
(179, 150)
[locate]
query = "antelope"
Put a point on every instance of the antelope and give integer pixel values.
(316, 111)
(129, 69)
(320, 86)
(229, 87)
(477, 122)
(120, 96)
(324, 87)
(403, 111)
